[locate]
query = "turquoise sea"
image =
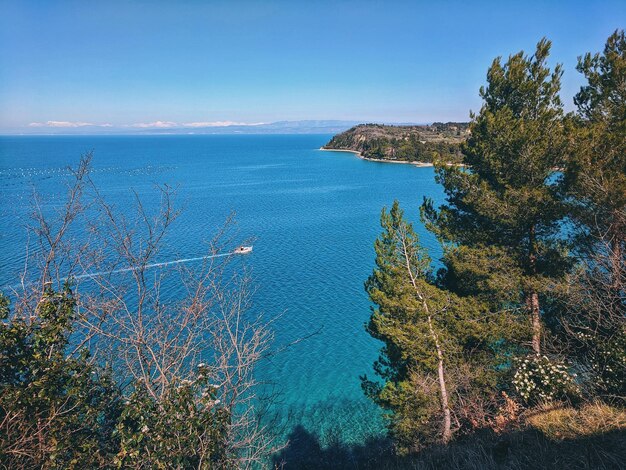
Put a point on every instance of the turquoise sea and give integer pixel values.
(312, 215)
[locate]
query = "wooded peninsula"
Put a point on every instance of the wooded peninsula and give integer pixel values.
(412, 144)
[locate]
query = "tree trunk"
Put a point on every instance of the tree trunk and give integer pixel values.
(446, 433)
(532, 297)
(533, 306)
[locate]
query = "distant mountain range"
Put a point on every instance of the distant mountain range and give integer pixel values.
(163, 128)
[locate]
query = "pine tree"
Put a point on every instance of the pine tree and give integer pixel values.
(594, 186)
(427, 332)
(595, 175)
(503, 211)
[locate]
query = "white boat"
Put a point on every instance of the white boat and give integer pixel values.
(243, 250)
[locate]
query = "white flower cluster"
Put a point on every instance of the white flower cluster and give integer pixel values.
(584, 337)
(538, 379)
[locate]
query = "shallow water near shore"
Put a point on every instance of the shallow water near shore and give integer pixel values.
(312, 215)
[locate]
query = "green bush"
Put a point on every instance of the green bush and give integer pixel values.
(56, 411)
(184, 427)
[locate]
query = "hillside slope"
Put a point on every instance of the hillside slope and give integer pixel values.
(426, 144)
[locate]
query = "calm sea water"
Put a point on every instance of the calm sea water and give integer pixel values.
(313, 216)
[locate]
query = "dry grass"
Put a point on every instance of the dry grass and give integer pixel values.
(592, 437)
(570, 423)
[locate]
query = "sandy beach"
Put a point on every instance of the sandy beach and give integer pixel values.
(378, 160)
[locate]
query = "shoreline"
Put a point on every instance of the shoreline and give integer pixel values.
(378, 160)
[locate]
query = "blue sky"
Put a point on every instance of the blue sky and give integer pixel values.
(124, 63)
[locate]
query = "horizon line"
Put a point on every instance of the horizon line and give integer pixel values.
(227, 129)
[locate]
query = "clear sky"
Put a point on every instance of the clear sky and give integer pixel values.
(125, 63)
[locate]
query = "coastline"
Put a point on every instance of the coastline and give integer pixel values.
(378, 160)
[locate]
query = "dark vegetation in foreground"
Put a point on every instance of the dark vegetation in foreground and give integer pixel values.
(512, 355)
(530, 447)
(107, 373)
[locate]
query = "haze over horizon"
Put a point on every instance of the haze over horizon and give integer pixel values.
(121, 67)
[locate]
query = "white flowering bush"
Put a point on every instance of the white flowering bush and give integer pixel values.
(538, 379)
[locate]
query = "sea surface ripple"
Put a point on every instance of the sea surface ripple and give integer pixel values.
(312, 215)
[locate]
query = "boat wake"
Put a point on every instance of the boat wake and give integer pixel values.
(147, 266)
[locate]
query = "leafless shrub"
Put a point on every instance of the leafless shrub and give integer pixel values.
(129, 323)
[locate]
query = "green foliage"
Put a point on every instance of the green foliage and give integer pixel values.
(185, 427)
(529, 168)
(486, 272)
(56, 411)
(516, 143)
(594, 187)
(538, 379)
(409, 304)
(59, 411)
(501, 218)
(595, 174)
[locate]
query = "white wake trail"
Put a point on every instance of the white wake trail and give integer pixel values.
(147, 266)
(125, 270)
